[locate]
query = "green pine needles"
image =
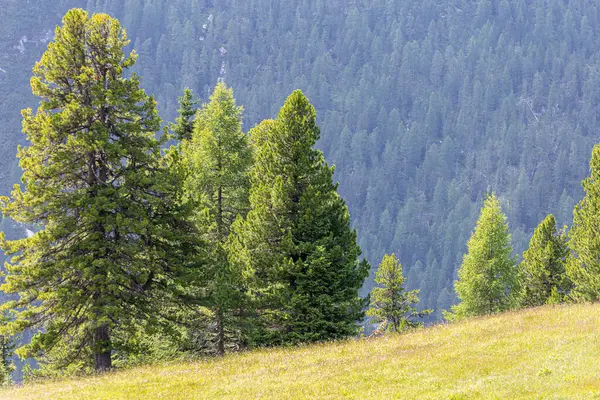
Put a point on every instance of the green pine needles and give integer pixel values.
(583, 265)
(184, 124)
(112, 230)
(217, 158)
(391, 305)
(543, 268)
(296, 245)
(487, 279)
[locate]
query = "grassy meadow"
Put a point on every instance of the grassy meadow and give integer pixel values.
(542, 353)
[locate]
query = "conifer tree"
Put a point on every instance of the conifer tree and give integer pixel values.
(184, 123)
(6, 353)
(487, 279)
(390, 303)
(111, 228)
(543, 278)
(296, 241)
(218, 158)
(583, 265)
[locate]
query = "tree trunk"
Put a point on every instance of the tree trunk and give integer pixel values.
(220, 333)
(220, 227)
(102, 360)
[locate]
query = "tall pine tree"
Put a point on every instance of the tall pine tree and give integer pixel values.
(296, 241)
(487, 279)
(543, 278)
(218, 158)
(583, 265)
(95, 183)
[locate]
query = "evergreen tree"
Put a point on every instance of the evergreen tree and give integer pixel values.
(184, 124)
(390, 303)
(543, 266)
(487, 279)
(6, 353)
(296, 241)
(111, 228)
(218, 158)
(583, 265)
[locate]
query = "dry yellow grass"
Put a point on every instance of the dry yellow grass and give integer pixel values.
(544, 353)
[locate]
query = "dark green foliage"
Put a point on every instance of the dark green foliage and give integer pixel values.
(488, 278)
(583, 265)
(112, 234)
(391, 305)
(184, 123)
(543, 278)
(296, 242)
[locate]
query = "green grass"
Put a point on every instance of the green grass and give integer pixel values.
(543, 353)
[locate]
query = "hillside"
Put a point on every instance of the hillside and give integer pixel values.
(550, 352)
(424, 106)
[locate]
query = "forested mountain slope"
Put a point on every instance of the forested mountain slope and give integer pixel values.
(424, 105)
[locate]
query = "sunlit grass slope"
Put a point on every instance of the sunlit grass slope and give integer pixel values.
(544, 353)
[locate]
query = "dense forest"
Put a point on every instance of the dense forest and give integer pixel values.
(424, 106)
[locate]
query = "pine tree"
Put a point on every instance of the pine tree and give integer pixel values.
(487, 279)
(296, 241)
(112, 230)
(218, 157)
(184, 124)
(583, 265)
(6, 353)
(543, 265)
(391, 305)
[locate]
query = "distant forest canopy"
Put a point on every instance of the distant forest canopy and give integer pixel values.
(424, 106)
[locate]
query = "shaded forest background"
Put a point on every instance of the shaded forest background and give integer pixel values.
(424, 106)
